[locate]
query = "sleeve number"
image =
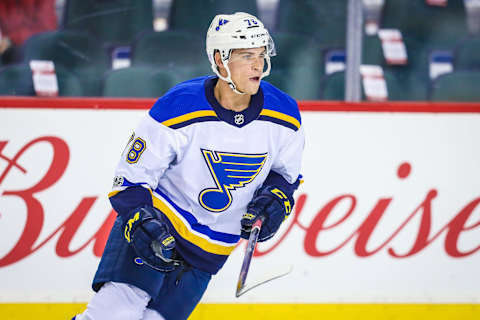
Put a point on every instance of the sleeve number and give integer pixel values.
(138, 146)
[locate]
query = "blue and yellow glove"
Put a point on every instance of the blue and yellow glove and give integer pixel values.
(271, 203)
(150, 238)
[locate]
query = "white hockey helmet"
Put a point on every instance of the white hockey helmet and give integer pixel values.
(237, 31)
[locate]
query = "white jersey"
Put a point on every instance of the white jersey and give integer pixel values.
(203, 163)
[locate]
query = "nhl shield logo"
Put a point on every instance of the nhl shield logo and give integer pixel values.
(118, 181)
(239, 119)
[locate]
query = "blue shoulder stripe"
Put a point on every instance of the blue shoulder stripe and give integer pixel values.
(279, 107)
(184, 104)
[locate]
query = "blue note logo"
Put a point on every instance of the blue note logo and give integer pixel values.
(221, 22)
(229, 171)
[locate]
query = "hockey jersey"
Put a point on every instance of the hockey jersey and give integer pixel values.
(202, 163)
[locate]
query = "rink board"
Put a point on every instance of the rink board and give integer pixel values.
(272, 311)
(386, 226)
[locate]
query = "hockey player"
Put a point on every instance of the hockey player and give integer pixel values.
(212, 155)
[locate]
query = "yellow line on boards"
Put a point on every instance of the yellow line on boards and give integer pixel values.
(338, 311)
(40, 311)
(48, 311)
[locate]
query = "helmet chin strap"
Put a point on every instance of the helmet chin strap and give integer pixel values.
(228, 78)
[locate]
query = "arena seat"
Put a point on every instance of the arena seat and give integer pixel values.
(467, 54)
(325, 20)
(411, 88)
(69, 48)
(296, 51)
(17, 80)
(181, 52)
(195, 16)
(278, 78)
(75, 51)
(417, 54)
(433, 25)
(299, 82)
(333, 86)
(412, 79)
(69, 84)
(459, 86)
(168, 48)
(372, 52)
(148, 82)
(299, 60)
(113, 22)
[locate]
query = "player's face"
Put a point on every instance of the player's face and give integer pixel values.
(246, 68)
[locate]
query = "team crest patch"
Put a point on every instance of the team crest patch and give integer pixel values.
(229, 171)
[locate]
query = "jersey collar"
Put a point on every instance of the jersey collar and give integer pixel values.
(236, 119)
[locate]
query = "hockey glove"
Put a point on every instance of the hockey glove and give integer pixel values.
(273, 204)
(150, 238)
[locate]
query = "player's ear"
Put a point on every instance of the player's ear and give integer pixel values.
(218, 60)
(219, 63)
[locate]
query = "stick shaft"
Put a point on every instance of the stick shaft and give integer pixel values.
(252, 241)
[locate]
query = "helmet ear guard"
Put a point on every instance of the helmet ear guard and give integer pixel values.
(237, 31)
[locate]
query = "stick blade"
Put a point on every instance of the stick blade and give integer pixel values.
(277, 273)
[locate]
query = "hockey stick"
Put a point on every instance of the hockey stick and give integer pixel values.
(252, 241)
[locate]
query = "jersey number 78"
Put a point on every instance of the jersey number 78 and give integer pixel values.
(139, 145)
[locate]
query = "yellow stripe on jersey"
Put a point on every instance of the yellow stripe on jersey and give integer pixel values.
(281, 116)
(189, 116)
(185, 233)
(113, 193)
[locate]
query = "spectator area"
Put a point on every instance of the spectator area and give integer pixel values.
(97, 46)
